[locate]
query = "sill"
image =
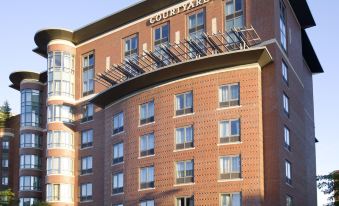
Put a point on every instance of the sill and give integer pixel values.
(184, 184)
(231, 143)
(86, 148)
(86, 201)
(87, 174)
(146, 189)
(146, 124)
(119, 133)
(231, 180)
(288, 184)
(86, 122)
(55, 174)
(183, 115)
(183, 150)
(60, 148)
(144, 157)
(117, 194)
(32, 169)
(116, 164)
(227, 108)
(37, 148)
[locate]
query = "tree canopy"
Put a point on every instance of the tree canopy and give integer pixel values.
(329, 185)
(5, 113)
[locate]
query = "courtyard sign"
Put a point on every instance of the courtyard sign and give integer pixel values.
(177, 10)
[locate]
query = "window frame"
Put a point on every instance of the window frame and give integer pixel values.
(283, 22)
(288, 172)
(121, 120)
(89, 195)
(86, 169)
(231, 174)
(186, 179)
(87, 112)
(119, 159)
(284, 71)
(186, 144)
(146, 184)
(149, 119)
(149, 151)
(191, 198)
(185, 110)
(230, 101)
(87, 144)
(118, 190)
(86, 68)
(286, 104)
(287, 138)
(231, 194)
(230, 138)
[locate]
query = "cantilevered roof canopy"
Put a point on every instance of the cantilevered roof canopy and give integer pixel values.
(303, 13)
(309, 54)
(17, 77)
(180, 70)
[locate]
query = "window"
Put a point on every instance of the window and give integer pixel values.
(5, 145)
(118, 205)
(4, 180)
(161, 38)
(59, 192)
(234, 18)
(185, 201)
(131, 49)
(184, 172)
(60, 113)
(88, 64)
(289, 201)
(229, 131)
(286, 104)
(147, 113)
(287, 138)
(86, 138)
(283, 34)
(30, 183)
(59, 165)
(184, 103)
(230, 167)
(118, 153)
(147, 145)
(284, 69)
(5, 162)
(288, 172)
(30, 141)
(118, 183)
(30, 108)
(147, 177)
(60, 139)
(229, 95)
(147, 203)
(87, 112)
(60, 74)
(184, 137)
(86, 165)
(118, 123)
(30, 162)
(232, 199)
(85, 192)
(196, 28)
(27, 201)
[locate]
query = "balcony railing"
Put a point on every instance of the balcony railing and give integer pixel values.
(175, 53)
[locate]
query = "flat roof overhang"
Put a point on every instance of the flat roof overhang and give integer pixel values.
(17, 77)
(133, 13)
(176, 71)
(309, 54)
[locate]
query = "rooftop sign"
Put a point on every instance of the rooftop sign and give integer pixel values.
(177, 10)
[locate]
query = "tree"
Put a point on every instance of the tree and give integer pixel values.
(5, 113)
(329, 185)
(7, 197)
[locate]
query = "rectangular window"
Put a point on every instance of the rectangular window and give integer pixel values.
(283, 34)
(147, 177)
(60, 192)
(147, 113)
(234, 18)
(4, 181)
(161, 38)
(147, 145)
(87, 112)
(118, 153)
(289, 201)
(287, 138)
(118, 123)
(30, 183)
(230, 167)
(231, 199)
(288, 172)
(86, 138)
(185, 172)
(60, 139)
(86, 192)
(286, 104)
(5, 163)
(88, 64)
(131, 49)
(185, 201)
(184, 103)
(184, 137)
(229, 95)
(5, 145)
(59, 165)
(284, 70)
(86, 165)
(147, 203)
(196, 29)
(118, 183)
(229, 131)
(30, 162)
(30, 141)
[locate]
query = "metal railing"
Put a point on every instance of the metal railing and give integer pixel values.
(173, 53)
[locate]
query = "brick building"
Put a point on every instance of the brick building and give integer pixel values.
(171, 102)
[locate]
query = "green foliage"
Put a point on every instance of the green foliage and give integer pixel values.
(7, 197)
(5, 114)
(329, 185)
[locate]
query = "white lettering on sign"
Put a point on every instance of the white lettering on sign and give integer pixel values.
(177, 10)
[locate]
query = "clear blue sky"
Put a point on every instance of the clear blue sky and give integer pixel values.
(20, 20)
